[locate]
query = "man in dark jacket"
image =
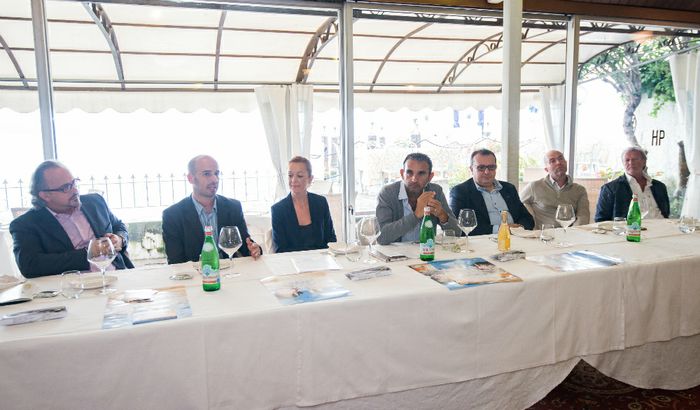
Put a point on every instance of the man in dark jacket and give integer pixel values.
(615, 196)
(53, 236)
(183, 223)
(488, 197)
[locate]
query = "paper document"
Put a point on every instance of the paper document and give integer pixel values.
(463, 273)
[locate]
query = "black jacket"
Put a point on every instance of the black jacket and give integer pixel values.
(183, 233)
(615, 197)
(42, 247)
(466, 196)
(285, 225)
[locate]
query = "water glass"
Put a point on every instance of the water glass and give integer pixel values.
(72, 284)
(449, 240)
(619, 225)
(547, 233)
(686, 224)
(353, 251)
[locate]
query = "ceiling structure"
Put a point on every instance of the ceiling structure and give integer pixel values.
(125, 56)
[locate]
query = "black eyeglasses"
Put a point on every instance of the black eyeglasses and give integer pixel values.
(65, 188)
(483, 168)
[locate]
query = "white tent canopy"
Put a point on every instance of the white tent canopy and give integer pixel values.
(159, 58)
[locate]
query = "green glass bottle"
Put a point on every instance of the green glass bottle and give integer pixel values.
(634, 221)
(209, 260)
(427, 237)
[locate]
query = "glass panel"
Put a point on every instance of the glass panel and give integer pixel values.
(627, 98)
(20, 125)
(173, 100)
(432, 85)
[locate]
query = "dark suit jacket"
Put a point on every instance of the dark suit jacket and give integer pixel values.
(183, 233)
(285, 225)
(615, 197)
(465, 195)
(42, 247)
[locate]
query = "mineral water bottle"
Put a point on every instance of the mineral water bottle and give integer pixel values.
(634, 221)
(504, 233)
(427, 237)
(209, 260)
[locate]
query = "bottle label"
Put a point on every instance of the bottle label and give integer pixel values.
(634, 230)
(207, 247)
(210, 276)
(427, 247)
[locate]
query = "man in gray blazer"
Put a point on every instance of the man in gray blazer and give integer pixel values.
(400, 204)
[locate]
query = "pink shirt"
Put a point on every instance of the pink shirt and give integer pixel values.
(78, 230)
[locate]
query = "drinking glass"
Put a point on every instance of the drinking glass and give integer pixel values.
(619, 225)
(565, 216)
(101, 253)
(229, 242)
(72, 284)
(547, 233)
(370, 231)
(686, 224)
(644, 207)
(467, 223)
(449, 240)
(353, 251)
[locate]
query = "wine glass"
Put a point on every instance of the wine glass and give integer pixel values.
(467, 223)
(370, 231)
(565, 216)
(101, 253)
(229, 242)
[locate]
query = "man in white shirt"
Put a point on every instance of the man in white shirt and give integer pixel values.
(615, 196)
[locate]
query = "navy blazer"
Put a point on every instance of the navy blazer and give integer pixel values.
(466, 196)
(183, 234)
(285, 225)
(42, 247)
(616, 195)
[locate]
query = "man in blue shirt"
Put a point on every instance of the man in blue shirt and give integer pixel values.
(488, 197)
(184, 222)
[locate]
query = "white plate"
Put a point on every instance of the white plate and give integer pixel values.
(341, 248)
(223, 264)
(524, 233)
(94, 280)
(7, 281)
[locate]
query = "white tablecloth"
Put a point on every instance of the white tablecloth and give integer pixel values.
(395, 338)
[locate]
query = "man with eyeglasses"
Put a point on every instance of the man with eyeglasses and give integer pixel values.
(543, 196)
(488, 197)
(184, 222)
(400, 205)
(53, 236)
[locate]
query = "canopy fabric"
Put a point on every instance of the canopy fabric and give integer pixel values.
(159, 58)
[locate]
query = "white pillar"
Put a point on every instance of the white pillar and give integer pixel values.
(347, 133)
(43, 75)
(510, 120)
(572, 42)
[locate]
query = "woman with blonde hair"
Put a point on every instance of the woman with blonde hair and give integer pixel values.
(302, 220)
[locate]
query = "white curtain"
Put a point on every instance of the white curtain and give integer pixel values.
(553, 116)
(685, 70)
(287, 114)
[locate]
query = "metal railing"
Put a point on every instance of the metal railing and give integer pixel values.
(150, 191)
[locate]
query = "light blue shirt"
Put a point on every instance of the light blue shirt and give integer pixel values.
(413, 235)
(207, 219)
(494, 204)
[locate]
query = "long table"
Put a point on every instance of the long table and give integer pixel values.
(397, 341)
